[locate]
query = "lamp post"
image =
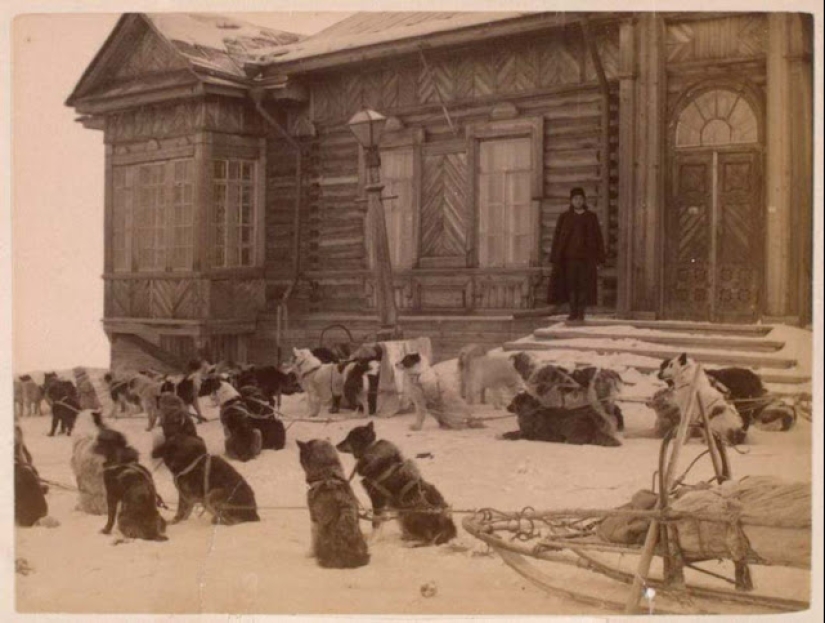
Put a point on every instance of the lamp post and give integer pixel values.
(367, 126)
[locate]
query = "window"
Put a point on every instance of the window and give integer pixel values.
(397, 177)
(234, 213)
(123, 183)
(717, 117)
(505, 209)
(152, 216)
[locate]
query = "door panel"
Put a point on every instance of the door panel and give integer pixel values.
(688, 222)
(739, 236)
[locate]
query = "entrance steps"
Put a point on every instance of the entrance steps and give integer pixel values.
(644, 344)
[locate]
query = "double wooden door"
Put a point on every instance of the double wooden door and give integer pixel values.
(713, 247)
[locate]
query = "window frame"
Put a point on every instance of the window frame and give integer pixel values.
(133, 189)
(502, 129)
(395, 138)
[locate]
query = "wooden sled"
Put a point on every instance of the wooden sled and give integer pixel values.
(571, 537)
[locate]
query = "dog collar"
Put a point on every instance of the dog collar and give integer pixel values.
(303, 374)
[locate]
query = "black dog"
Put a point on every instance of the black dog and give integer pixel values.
(262, 417)
(129, 485)
(395, 483)
(272, 381)
(29, 494)
(745, 390)
(208, 480)
(242, 440)
(575, 426)
(65, 402)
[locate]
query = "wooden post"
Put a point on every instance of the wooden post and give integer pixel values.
(653, 531)
(627, 156)
(777, 234)
(385, 297)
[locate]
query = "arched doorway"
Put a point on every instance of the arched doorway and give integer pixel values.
(714, 215)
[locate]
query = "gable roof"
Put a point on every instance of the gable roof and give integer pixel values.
(199, 48)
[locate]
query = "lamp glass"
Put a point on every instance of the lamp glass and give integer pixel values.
(367, 126)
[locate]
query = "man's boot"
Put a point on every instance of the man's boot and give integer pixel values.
(336, 404)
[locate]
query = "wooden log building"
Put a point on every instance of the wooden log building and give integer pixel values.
(235, 205)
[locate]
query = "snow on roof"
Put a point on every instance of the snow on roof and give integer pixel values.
(218, 42)
(365, 29)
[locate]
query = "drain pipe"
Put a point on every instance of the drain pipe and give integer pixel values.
(257, 95)
(605, 123)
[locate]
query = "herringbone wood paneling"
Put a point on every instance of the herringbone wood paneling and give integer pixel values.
(444, 212)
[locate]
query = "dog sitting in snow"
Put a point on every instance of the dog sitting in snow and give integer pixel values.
(481, 372)
(87, 466)
(129, 486)
(682, 374)
(262, 417)
(29, 494)
(320, 381)
(242, 440)
(337, 541)
(174, 416)
(206, 479)
(395, 483)
(430, 395)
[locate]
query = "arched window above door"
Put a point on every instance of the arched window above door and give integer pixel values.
(715, 118)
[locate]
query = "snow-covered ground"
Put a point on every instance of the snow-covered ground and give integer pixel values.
(263, 567)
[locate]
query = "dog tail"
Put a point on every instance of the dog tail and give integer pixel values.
(98, 419)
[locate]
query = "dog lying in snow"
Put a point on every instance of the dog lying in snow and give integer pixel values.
(679, 373)
(556, 387)
(580, 425)
(480, 372)
(430, 395)
(337, 541)
(745, 390)
(395, 483)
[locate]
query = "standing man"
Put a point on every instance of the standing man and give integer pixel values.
(576, 254)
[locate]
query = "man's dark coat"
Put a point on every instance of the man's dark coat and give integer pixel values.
(594, 251)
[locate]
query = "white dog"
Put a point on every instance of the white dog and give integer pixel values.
(320, 381)
(724, 419)
(430, 395)
(480, 372)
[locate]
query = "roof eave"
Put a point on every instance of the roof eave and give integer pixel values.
(397, 47)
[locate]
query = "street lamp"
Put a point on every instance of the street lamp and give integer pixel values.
(367, 126)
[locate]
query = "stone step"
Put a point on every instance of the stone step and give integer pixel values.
(682, 326)
(748, 344)
(781, 376)
(721, 358)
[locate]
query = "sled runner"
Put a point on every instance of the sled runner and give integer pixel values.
(753, 521)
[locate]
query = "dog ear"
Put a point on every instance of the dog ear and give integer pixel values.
(370, 426)
(301, 444)
(683, 359)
